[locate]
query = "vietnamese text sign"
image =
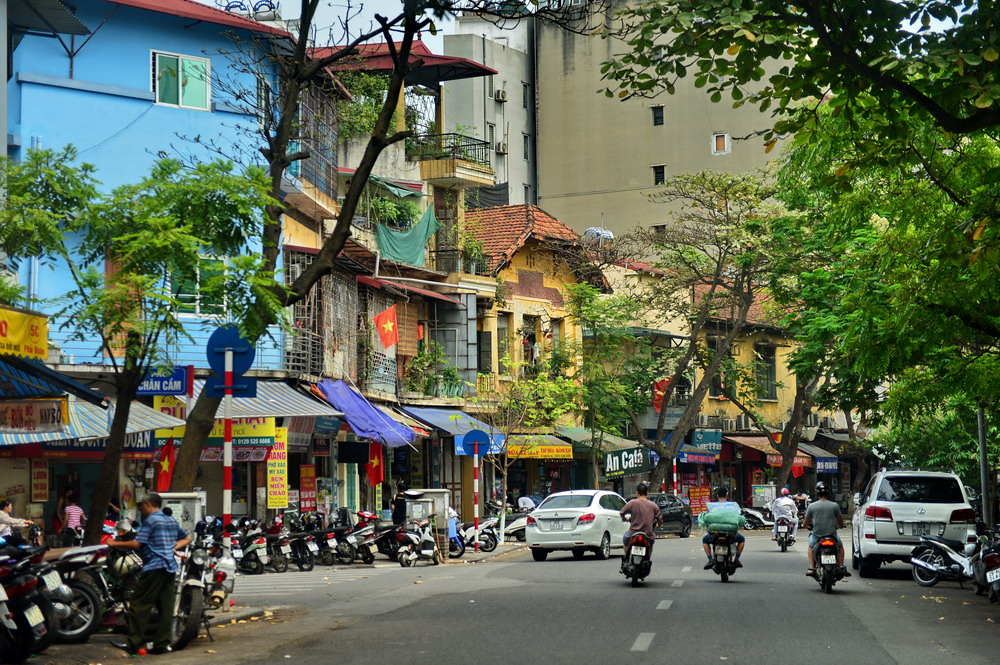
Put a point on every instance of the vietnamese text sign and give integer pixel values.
(23, 334)
(246, 431)
(300, 432)
(39, 480)
(800, 460)
(277, 471)
(826, 465)
(33, 415)
(698, 499)
(174, 383)
(543, 451)
(307, 487)
(628, 462)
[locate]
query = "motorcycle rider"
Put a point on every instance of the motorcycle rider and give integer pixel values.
(643, 516)
(721, 512)
(825, 517)
(784, 506)
(801, 500)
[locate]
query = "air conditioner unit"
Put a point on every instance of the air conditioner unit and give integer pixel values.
(500, 95)
(812, 420)
(782, 424)
(729, 424)
(743, 422)
(501, 147)
(704, 420)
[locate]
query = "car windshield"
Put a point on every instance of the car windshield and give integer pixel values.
(568, 501)
(918, 489)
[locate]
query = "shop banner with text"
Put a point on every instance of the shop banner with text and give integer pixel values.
(307, 487)
(698, 498)
(34, 415)
(39, 480)
(246, 431)
(277, 470)
(23, 334)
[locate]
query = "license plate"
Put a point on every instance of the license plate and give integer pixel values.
(722, 550)
(285, 549)
(828, 559)
(52, 580)
(638, 550)
(992, 575)
(352, 540)
(555, 525)
(313, 547)
(920, 528)
(782, 529)
(34, 616)
(237, 553)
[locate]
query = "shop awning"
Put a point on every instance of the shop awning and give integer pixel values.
(539, 446)
(362, 416)
(418, 427)
(826, 462)
(761, 443)
(696, 455)
(274, 400)
(49, 16)
(22, 378)
(380, 283)
(581, 438)
(458, 424)
(89, 421)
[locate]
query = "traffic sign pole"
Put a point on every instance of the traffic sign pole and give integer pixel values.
(475, 494)
(227, 451)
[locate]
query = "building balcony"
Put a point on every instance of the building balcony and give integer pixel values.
(456, 261)
(451, 160)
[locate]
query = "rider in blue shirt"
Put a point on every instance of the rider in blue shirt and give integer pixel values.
(714, 513)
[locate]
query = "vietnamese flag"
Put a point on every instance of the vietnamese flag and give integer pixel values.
(375, 468)
(165, 467)
(388, 330)
(659, 392)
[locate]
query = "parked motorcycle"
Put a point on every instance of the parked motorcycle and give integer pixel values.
(637, 562)
(22, 623)
(488, 539)
(418, 544)
(784, 537)
(723, 546)
(189, 600)
(220, 573)
(248, 546)
(80, 615)
(827, 572)
(756, 519)
(987, 566)
(936, 559)
(514, 530)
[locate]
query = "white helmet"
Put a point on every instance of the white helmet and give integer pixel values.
(126, 563)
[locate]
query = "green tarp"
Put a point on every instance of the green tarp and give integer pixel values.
(397, 189)
(407, 246)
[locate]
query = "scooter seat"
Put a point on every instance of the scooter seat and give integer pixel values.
(58, 553)
(956, 545)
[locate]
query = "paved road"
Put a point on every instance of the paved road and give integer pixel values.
(514, 610)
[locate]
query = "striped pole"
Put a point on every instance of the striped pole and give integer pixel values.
(675, 476)
(475, 494)
(227, 451)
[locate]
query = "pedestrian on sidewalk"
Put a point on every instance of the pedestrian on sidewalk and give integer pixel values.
(398, 504)
(158, 538)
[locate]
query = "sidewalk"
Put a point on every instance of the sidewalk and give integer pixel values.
(472, 556)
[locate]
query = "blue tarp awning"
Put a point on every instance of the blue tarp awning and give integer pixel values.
(458, 424)
(27, 378)
(363, 417)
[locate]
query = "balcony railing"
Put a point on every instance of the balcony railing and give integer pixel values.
(455, 260)
(448, 146)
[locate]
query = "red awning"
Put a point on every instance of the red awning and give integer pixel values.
(383, 283)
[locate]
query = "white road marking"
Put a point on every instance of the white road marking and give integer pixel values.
(643, 641)
(677, 583)
(686, 569)
(664, 604)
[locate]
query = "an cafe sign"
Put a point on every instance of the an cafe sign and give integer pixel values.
(627, 462)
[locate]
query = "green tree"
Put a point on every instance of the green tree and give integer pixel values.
(152, 236)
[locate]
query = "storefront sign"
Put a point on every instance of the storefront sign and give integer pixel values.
(672, 417)
(246, 431)
(39, 481)
(307, 487)
(326, 499)
(33, 415)
(321, 447)
(628, 462)
(827, 465)
(708, 439)
(277, 471)
(243, 454)
(300, 432)
(174, 383)
(23, 334)
(698, 498)
(544, 451)
(327, 425)
(800, 460)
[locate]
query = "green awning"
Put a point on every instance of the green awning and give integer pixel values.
(397, 189)
(581, 438)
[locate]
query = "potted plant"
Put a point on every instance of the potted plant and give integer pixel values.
(420, 372)
(452, 381)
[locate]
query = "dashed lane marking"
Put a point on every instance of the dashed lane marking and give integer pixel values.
(677, 583)
(642, 642)
(686, 569)
(664, 604)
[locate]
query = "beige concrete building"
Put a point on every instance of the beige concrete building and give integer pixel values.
(599, 157)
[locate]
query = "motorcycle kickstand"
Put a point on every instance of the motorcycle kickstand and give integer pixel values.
(205, 619)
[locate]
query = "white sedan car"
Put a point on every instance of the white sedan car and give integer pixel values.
(578, 520)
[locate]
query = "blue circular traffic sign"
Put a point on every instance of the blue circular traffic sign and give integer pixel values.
(225, 338)
(473, 437)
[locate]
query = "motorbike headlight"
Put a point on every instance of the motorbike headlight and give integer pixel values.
(199, 557)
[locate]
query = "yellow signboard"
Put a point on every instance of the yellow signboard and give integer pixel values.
(277, 470)
(246, 431)
(544, 451)
(23, 333)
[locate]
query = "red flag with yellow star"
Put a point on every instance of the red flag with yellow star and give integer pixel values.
(375, 467)
(388, 330)
(165, 466)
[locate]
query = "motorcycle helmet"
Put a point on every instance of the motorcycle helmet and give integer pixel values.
(822, 489)
(125, 563)
(785, 491)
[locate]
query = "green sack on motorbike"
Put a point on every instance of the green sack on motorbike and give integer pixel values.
(727, 521)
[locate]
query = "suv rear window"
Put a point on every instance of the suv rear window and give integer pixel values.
(568, 501)
(920, 489)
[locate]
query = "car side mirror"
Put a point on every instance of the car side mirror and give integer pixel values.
(857, 498)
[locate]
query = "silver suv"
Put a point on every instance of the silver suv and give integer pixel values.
(899, 506)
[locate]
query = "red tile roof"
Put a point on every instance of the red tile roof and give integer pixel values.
(757, 313)
(201, 12)
(504, 229)
(374, 57)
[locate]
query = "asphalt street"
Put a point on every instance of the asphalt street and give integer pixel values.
(511, 609)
